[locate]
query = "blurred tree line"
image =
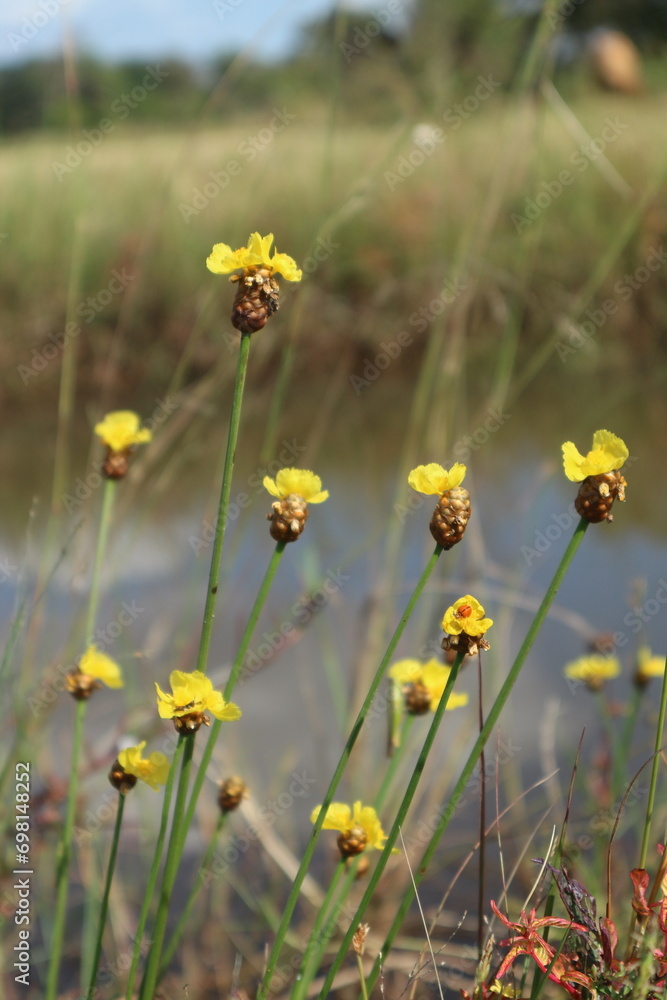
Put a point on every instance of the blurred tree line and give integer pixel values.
(391, 60)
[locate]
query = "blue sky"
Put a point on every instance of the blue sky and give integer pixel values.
(151, 29)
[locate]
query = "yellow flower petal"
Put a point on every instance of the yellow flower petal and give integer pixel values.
(406, 671)
(165, 703)
(466, 615)
(101, 667)
(338, 817)
(221, 709)
(224, 260)
(434, 479)
(608, 454)
(300, 481)
(593, 668)
(648, 665)
(154, 771)
(283, 264)
(120, 430)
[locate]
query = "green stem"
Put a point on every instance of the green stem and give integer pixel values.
(338, 773)
(63, 857)
(172, 944)
(223, 507)
(650, 802)
(492, 718)
(155, 867)
(231, 683)
(105, 898)
(321, 932)
(396, 827)
(309, 971)
(360, 964)
(103, 534)
(149, 981)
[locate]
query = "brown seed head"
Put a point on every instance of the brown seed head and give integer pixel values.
(359, 939)
(450, 517)
(288, 518)
(231, 793)
(352, 842)
(597, 494)
(256, 299)
(417, 699)
(187, 725)
(120, 779)
(469, 644)
(116, 463)
(81, 686)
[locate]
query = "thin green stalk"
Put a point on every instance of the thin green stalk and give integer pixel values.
(63, 857)
(223, 507)
(152, 875)
(360, 964)
(321, 932)
(650, 802)
(103, 534)
(105, 897)
(309, 971)
(172, 944)
(338, 773)
(231, 683)
(492, 718)
(392, 837)
(149, 981)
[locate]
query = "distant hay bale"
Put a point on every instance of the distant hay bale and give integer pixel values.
(616, 62)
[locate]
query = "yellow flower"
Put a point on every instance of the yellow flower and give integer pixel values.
(345, 819)
(608, 454)
(648, 666)
(466, 615)
(224, 260)
(120, 430)
(593, 670)
(305, 484)
(434, 479)
(193, 694)
(154, 771)
(432, 675)
(101, 667)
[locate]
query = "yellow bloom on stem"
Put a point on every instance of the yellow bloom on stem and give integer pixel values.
(296, 481)
(154, 770)
(466, 615)
(101, 667)
(358, 825)
(648, 665)
(434, 479)
(593, 670)
(608, 454)
(224, 260)
(432, 675)
(193, 694)
(120, 430)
